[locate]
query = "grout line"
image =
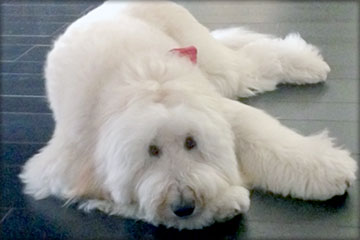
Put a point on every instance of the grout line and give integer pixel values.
(24, 53)
(30, 15)
(310, 102)
(305, 222)
(48, 22)
(270, 22)
(28, 72)
(60, 30)
(316, 120)
(14, 61)
(23, 35)
(26, 44)
(23, 96)
(88, 9)
(14, 165)
(24, 142)
(16, 4)
(250, 103)
(7, 73)
(27, 113)
(6, 215)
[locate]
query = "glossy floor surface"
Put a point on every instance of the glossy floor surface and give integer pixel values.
(28, 30)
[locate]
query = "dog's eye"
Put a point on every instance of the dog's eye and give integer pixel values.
(190, 143)
(154, 151)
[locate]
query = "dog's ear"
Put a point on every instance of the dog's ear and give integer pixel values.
(189, 52)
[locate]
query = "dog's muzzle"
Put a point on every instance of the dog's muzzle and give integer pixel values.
(184, 210)
(185, 204)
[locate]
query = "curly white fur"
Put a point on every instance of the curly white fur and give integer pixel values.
(116, 88)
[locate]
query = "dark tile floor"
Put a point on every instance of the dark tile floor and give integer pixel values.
(28, 29)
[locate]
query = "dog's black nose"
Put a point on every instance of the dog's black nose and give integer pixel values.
(183, 210)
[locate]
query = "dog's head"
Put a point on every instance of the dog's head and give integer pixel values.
(167, 155)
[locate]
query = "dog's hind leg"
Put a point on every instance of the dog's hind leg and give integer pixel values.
(237, 37)
(288, 60)
(224, 68)
(277, 159)
(257, 64)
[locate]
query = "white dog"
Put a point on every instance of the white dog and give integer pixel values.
(145, 127)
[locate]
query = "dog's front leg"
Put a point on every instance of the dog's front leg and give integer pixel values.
(275, 158)
(231, 202)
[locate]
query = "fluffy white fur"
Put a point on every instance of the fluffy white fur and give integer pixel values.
(115, 88)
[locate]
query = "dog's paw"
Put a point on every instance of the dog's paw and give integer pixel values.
(316, 70)
(302, 62)
(233, 202)
(335, 179)
(330, 171)
(102, 205)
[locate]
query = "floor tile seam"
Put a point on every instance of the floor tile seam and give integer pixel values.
(26, 113)
(6, 215)
(25, 35)
(22, 96)
(25, 72)
(16, 58)
(7, 165)
(275, 22)
(75, 15)
(24, 53)
(42, 15)
(22, 142)
(339, 78)
(49, 22)
(26, 44)
(16, 61)
(15, 96)
(314, 120)
(88, 9)
(21, 74)
(322, 83)
(60, 29)
(306, 101)
(41, 4)
(305, 222)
